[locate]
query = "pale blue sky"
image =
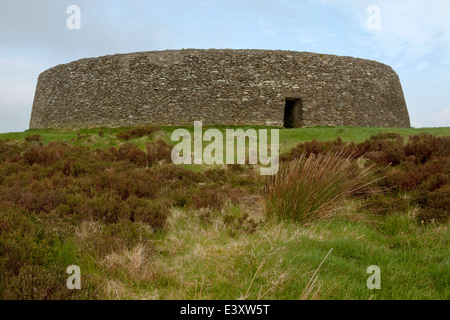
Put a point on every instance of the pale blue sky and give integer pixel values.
(414, 39)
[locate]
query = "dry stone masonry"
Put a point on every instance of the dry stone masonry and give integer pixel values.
(229, 87)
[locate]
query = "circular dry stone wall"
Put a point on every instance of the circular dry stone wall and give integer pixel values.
(228, 87)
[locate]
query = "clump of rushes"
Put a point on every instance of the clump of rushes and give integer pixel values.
(313, 188)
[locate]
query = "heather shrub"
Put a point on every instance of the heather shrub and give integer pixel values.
(378, 157)
(10, 152)
(385, 148)
(431, 214)
(136, 133)
(33, 138)
(54, 152)
(41, 201)
(385, 204)
(250, 180)
(400, 178)
(109, 154)
(179, 197)
(236, 176)
(423, 146)
(152, 212)
(236, 168)
(34, 254)
(133, 154)
(434, 205)
(207, 196)
(106, 208)
(133, 182)
(411, 175)
(218, 174)
(436, 181)
(318, 147)
(174, 173)
(157, 151)
(34, 155)
(211, 195)
(109, 209)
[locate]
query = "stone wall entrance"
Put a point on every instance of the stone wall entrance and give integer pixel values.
(293, 113)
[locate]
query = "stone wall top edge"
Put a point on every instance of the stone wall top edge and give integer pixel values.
(319, 56)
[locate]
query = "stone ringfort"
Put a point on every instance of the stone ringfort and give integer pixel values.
(227, 87)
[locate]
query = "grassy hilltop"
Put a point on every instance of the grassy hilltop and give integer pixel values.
(288, 137)
(140, 227)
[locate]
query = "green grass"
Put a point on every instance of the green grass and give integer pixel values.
(280, 258)
(291, 137)
(288, 137)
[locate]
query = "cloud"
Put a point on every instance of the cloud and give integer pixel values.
(419, 27)
(106, 27)
(422, 65)
(305, 37)
(409, 28)
(17, 86)
(439, 118)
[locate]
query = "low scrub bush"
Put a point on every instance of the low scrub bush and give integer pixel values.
(207, 196)
(34, 255)
(157, 151)
(385, 204)
(423, 147)
(136, 133)
(434, 205)
(33, 138)
(133, 182)
(318, 147)
(133, 154)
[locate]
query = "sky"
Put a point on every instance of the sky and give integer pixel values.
(412, 36)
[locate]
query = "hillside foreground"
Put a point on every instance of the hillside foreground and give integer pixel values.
(140, 227)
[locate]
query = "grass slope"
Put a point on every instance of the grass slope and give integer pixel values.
(226, 253)
(288, 137)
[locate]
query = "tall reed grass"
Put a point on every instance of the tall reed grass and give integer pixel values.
(313, 188)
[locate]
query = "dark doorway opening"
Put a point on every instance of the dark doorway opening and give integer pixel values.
(292, 116)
